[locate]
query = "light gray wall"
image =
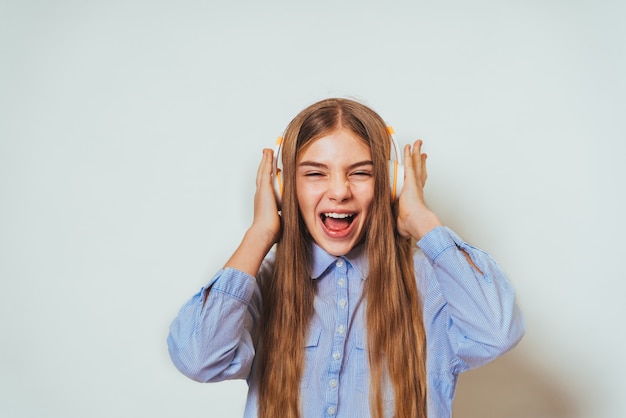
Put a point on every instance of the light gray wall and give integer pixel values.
(130, 132)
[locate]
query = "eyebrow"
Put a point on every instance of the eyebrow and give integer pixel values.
(321, 165)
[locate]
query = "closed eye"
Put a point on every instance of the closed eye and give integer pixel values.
(361, 175)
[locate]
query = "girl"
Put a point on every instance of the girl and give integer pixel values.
(345, 316)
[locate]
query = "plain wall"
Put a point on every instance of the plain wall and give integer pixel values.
(130, 133)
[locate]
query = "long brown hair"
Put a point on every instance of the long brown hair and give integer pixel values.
(395, 329)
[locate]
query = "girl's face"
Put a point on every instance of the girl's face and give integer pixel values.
(335, 189)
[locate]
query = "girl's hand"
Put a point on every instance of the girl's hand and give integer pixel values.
(265, 228)
(414, 218)
(266, 219)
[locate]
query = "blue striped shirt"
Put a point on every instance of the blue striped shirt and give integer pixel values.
(470, 318)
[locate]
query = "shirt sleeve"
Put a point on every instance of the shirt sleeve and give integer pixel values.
(475, 310)
(213, 337)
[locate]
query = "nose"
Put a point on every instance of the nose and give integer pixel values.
(339, 189)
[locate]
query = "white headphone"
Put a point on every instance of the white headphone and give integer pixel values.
(396, 169)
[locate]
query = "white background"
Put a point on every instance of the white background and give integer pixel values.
(130, 133)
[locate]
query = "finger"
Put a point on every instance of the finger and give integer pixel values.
(259, 171)
(408, 161)
(417, 147)
(412, 159)
(264, 171)
(417, 152)
(424, 171)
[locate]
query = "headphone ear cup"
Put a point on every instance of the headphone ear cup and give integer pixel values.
(396, 179)
(277, 180)
(399, 181)
(277, 183)
(396, 169)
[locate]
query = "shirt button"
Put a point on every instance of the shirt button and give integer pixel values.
(336, 355)
(342, 303)
(339, 263)
(341, 282)
(331, 410)
(341, 329)
(332, 383)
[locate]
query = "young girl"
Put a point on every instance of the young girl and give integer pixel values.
(345, 316)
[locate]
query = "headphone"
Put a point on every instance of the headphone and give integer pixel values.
(396, 169)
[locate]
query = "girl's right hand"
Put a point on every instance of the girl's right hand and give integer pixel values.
(266, 220)
(265, 229)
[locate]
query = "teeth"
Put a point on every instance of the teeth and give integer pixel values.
(337, 215)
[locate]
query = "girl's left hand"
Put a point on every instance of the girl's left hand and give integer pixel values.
(414, 218)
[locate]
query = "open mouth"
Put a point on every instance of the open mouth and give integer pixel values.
(336, 222)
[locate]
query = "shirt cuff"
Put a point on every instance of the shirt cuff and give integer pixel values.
(234, 283)
(437, 241)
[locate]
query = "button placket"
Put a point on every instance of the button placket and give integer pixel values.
(338, 348)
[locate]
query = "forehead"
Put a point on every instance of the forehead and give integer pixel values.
(336, 145)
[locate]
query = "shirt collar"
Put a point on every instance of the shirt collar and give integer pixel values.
(322, 261)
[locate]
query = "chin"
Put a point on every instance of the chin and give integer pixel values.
(337, 251)
(337, 248)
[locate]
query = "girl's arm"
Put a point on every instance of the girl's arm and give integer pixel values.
(414, 218)
(467, 296)
(469, 307)
(213, 337)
